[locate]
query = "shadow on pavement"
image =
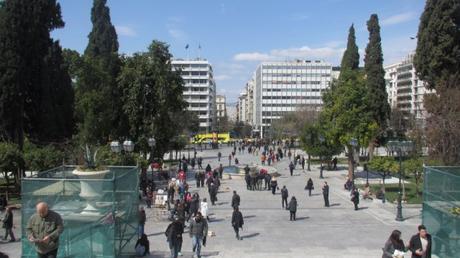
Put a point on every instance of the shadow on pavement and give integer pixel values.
(335, 204)
(302, 218)
(363, 208)
(250, 235)
(215, 220)
(249, 216)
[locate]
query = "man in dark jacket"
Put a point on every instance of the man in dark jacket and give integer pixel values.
(198, 232)
(174, 237)
(8, 224)
(326, 194)
(237, 222)
(235, 200)
(355, 197)
(274, 185)
(291, 168)
(293, 208)
(284, 196)
(213, 193)
(420, 244)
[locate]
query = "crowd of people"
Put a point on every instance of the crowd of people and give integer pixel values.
(187, 209)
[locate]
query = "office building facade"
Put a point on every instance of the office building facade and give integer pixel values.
(200, 90)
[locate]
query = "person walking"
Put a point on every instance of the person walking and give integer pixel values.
(174, 237)
(194, 206)
(198, 232)
(326, 194)
(230, 159)
(420, 243)
(393, 245)
(213, 193)
(204, 209)
(142, 246)
(219, 155)
(237, 222)
(291, 168)
(302, 161)
(221, 171)
(274, 185)
(43, 229)
(355, 197)
(8, 224)
(142, 219)
(309, 186)
(235, 200)
(200, 163)
(292, 208)
(284, 197)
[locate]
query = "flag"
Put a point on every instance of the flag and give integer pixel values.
(186, 46)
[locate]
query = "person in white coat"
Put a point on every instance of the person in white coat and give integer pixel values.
(204, 209)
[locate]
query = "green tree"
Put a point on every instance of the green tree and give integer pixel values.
(38, 158)
(437, 55)
(315, 142)
(346, 113)
(350, 59)
(437, 61)
(377, 98)
(98, 106)
(11, 162)
(414, 167)
(384, 166)
(24, 44)
(152, 97)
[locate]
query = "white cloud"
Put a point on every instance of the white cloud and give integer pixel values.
(254, 56)
(222, 77)
(177, 33)
(125, 31)
(328, 53)
(399, 18)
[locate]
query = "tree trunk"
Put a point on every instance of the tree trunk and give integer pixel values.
(371, 149)
(308, 162)
(350, 164)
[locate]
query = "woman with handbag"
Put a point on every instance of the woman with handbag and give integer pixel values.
(394, 246)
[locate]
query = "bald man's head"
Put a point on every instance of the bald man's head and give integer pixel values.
(42, 209)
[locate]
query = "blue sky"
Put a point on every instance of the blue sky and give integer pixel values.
(236, 35)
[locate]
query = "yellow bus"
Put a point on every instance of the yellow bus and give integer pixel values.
(211, 137)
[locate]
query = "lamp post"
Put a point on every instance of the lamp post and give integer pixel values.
(353, 144)
(400, 147)
(321, 140)
(116, 147)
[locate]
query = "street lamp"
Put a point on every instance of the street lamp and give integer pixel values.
(353, 144)
(321, 140)
(400, 147)
(116, 147)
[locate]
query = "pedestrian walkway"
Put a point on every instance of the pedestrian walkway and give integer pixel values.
(338, 231)
(318, 232)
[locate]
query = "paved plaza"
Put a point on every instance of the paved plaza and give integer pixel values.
(338, 231)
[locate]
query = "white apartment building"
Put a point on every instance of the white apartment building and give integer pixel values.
(221, 106)
(405, 90)
(200, 90)
(286, 86)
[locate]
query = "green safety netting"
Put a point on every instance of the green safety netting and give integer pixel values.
(441, 209)
(100, 212)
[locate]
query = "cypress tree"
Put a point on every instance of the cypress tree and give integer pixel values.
(438, 46)
(24, 44)
(377, 98)
(350, 59)
(375, 75)
(98, 79)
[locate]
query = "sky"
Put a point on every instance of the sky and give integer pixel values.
(236, 35)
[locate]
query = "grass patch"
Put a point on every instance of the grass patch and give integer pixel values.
(391, 192)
